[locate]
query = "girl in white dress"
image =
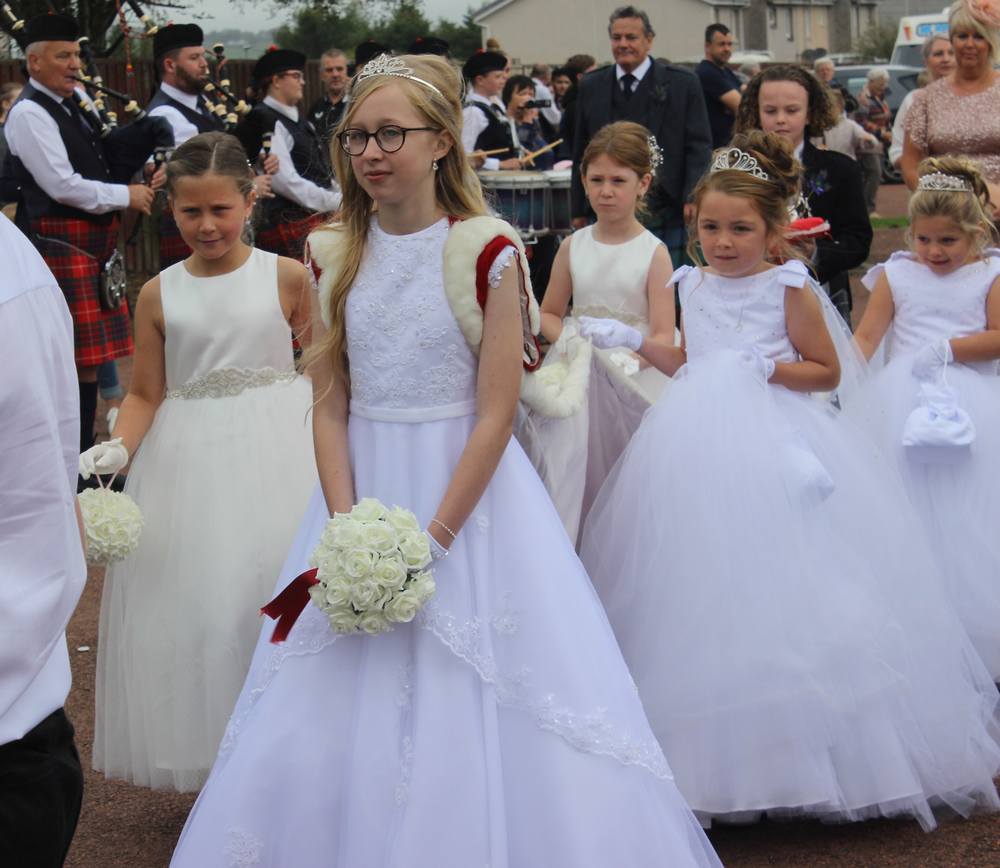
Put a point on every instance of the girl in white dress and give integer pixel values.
(500, 727)
(612, 268)
(222, 477)
(759, 562)
(935, 406)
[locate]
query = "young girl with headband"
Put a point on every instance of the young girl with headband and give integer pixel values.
(760, 565)
(215, 418)
(500, 727)
(935, 406)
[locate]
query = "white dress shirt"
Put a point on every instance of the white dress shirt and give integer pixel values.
(33, 136)
(474, 122)
(639, 72)
(182, 127)
(287, 181)
(42, 571)
(899, 129)
(552, 113)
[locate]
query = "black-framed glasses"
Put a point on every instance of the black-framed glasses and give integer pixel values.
(390, 138)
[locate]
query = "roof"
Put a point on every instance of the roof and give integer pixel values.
(484, 12)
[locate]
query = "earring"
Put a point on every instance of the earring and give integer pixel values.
(434, 165)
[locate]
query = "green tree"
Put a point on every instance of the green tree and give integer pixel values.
(877, 42)
(316, 28)
(464, 38)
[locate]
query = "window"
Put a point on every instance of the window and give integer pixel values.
(772, 17)
(790, 23)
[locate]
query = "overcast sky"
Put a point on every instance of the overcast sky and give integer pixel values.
(258, 16)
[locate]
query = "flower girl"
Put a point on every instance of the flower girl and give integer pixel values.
(222, 476)
(500, 727)
(935, 406)
(613, 268)
(759, 563)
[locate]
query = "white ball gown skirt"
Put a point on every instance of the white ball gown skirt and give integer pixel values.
(222, 484)
(773, 597)
(958, 500)
(501, 728)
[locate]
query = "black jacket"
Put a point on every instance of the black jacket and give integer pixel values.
(670, 104)
(832, 186)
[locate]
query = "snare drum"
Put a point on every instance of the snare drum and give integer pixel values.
(560, 211)
(519, 198)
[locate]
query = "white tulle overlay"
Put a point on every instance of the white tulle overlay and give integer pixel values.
(575, 453)
(500, 728)
(957, 495)
(770, 590)
(222, 478)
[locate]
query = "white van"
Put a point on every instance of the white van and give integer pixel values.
(913, 30)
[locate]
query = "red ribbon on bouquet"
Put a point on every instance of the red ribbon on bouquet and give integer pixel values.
(288, 605)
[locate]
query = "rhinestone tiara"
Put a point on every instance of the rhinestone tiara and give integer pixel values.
(386, 64)
(939, 181)
(655, 153)
(733, 159)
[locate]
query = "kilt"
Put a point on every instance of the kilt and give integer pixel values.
(76, 250)
(172, 246)
(288, 237)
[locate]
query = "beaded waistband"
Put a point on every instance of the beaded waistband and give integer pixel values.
(228, 382)
(602, 312)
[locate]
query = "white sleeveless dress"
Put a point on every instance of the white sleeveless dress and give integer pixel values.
(499, 729)
(767, 582)
(958, 500)
(222, 478)
(575, 454)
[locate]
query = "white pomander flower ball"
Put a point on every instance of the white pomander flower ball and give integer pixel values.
(113, 523)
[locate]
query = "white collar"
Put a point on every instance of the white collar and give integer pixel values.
(190, 100)
(289, 111)
(799, 150)
(47, 91)
(639, 72)
(486, 100)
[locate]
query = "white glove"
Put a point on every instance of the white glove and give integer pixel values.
(438, 551)
(608, 333)
(931, 359)
(108, 457)
(761, 365)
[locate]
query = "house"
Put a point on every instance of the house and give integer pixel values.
(551, 30)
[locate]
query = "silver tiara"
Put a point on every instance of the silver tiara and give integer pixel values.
(655, 153)
(941, 182)
(733, 159)
(386, 64)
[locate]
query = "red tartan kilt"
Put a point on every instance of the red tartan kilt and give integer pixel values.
(289, 238)
(99, 335)
(173, 248)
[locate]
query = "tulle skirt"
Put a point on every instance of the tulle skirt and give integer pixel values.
(500, 728)
(958, 500)
(783, 620)
(222, 484)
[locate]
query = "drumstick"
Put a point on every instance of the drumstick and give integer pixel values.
(530, 158)
(488, 153)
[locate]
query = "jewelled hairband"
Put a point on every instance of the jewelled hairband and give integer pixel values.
(940, 182)
(385, 64)
(733, 159)
(655, 153)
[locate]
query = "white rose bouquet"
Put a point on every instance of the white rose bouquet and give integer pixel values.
(112, 522)
(371, 568)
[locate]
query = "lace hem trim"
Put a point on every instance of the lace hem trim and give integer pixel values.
(228, 382)
(601, 312)
(502, 262)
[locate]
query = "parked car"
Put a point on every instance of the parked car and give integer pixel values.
(902, 79)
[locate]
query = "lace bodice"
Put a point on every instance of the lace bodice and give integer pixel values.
(231, 324)
(735, 313)
(929, 307)
(609, 280)
(405, 348)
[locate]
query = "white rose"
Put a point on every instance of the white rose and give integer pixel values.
(329, 565)
(364, 594)
(336, 595)
(357, 563)
(415, 549)
(389, 573)
(377, 536)
(402, 520)
(368, 509)
(343, 620)
(346, 536)
(317, 593)
(423, 586)
(402, 607)
(374, 622)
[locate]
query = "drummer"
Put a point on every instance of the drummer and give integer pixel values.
(485, 124)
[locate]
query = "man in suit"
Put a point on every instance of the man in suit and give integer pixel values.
(667, 101)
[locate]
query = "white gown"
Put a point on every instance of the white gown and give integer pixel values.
(959, 500)
(222, 478)
(501, 728)
(575, 454)
(768, 585)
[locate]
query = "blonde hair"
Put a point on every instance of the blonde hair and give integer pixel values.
(969, 211)
(456, 187)
(626, 143)
(960, 17)
(770, 198)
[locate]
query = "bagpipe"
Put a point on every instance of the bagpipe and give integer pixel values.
(229, 107)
